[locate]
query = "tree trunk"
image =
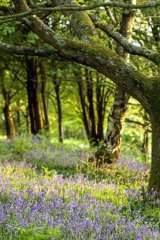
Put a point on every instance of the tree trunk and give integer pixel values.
(33, 96)
(101, 102)
(9, 122)
(154, 181)
(93, 100)
(10, 130)
(59, 108)
(18, 125)
(43, 92)
(110, 150)
(91, 111)
(145, 144)
(83, 105)
(28, 121)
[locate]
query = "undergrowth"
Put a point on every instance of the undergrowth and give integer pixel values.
(51, 191)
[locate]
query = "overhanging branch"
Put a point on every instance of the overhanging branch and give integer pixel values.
(100, 4)
(148, 126)
(32, 51)
(38, 8)
(129, 47)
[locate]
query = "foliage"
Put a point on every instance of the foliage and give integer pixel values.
(4, 3)
(18, 34)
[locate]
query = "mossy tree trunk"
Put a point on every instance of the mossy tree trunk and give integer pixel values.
(110, 150)
(154, 181)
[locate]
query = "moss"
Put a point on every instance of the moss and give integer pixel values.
(85, 25)
(100, 57)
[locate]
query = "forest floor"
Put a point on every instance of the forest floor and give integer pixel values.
(51, 191)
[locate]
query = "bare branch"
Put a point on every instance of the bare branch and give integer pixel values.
(111, 16)
(14, 17)
(23, 50)
(129, 47)
(101, 4)
(35, 9)
(139, 123)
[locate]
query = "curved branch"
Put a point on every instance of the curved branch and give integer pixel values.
(101, 4)
(129, 47)
(14, 17)
(35, 9)
(18, 15)
(81, 23)
(32, 51)
(96, 55)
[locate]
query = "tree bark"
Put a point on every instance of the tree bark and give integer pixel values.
(18, 125)
(110, 150)
(28, 121)
(91, 111)
(59, 108)
(84, 110)
(9, 122)
(35, 113)
(44, 101)
(10, 130)
(93, 99)
(154, 181)
(7, 109)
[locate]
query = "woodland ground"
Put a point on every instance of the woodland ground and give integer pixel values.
(50, 191)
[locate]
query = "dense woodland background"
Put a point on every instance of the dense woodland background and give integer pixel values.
(66, 99)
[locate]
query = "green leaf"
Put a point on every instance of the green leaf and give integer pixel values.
(4, 3)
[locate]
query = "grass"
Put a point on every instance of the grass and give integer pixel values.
(51, 192)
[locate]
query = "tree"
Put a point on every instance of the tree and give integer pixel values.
(32, 87)
(87, 48)
(110, 150)
(8, 113)
(10, 89)
(94, 95)
(57, 84)
(44, 99)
